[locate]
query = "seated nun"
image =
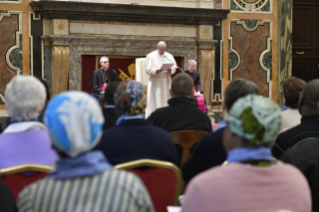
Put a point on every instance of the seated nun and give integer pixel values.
(251, 181)
(82, 180)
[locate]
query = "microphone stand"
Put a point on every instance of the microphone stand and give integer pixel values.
(173, 63)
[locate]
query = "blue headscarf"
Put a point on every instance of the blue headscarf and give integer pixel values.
(74, 120)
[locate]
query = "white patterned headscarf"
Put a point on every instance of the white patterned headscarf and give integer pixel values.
(74, 120)
(255, 118)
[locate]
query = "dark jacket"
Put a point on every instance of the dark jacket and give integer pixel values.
(305, 156)
(98, 78)
(208, 152)
(136, 139)
(7, 203)
(181, 114)
(308, 128)
(196, 77)
(110, 118)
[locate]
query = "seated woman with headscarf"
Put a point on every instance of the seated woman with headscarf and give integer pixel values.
(133, 137)
(83, 180)
(251, 181)
(25, 140)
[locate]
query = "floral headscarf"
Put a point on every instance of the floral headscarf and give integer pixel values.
(130, 96)
(74, 120)
(255, 118)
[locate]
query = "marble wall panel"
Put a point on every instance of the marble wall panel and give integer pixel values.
(251, 6)
(244, 43)
(36, 31)
(218, 4)
(217, 77)
(284, 44)
(8, 28)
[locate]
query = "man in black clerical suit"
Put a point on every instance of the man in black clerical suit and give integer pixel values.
(101, 77)
(191, 66)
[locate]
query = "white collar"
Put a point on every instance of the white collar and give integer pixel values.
(24, 126)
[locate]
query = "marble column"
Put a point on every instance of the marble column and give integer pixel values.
(60, 69)
(206, 59)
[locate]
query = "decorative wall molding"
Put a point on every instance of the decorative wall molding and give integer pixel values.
(265, 58)
(16, 50)
(128, 13)
(251, 6)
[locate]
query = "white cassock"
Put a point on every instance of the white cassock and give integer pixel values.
(159, 84)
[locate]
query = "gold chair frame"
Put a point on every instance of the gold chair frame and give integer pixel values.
(24, 168)
(159, 164)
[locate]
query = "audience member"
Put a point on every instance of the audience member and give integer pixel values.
(209, 151)
(309, 126)
(7, 203)
(305, 157)
(109, 114)
(251, 181)
(25, 140)
(292, 88)
(82, 180)
(48, 97)
(182, 112)
(133, 137)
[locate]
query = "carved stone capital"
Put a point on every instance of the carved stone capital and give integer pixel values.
(206, 45)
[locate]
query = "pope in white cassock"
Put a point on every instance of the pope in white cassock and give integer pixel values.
(160, 80)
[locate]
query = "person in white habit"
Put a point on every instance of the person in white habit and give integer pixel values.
(160, 80)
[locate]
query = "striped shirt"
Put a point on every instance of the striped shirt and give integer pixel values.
(114, 190)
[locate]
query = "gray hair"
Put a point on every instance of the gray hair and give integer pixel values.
(104, 58)
(161, 43)
(191, 61)
(24, 98)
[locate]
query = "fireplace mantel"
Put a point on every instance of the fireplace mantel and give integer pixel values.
(128, 13)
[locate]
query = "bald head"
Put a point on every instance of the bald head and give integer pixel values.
(182, 85)
(309, 99)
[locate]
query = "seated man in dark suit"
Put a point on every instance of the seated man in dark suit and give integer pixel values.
(133, 138)
(209, 151)
(305, 156)
(309, 126)
(182, 113)
(109, 114)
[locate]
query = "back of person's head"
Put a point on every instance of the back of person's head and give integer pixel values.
(24, 98)
(292, 88)
(309, 99)
(129, 98)
(182, 85)
(238, 88)
(74, 120)
(109, 92)
(46, 86)
(256, 120)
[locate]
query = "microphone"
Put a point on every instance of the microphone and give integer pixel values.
(173, 63)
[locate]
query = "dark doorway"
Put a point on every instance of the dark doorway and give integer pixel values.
(305, 39)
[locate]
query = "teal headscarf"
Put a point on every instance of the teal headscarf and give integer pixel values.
(255, 118)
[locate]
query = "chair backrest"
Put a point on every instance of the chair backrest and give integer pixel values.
(162, 180)
(186, 139)
(17, 177)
